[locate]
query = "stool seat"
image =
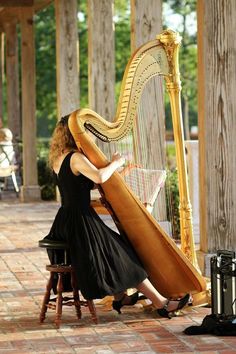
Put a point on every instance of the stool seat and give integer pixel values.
(56, 268)
(53, 244)
(60, 270)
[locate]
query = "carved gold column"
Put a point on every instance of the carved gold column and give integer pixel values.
(171, 43)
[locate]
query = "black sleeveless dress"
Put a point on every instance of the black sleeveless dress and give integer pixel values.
(105, 261)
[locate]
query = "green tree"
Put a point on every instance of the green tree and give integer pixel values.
(45, 33)
(83, 51)
(122, 45)
(45, 38)
(122, 40)
(180, 15)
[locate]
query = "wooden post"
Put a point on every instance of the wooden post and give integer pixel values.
(146, 23)
(12, 76)
(30, 190)
(67, 56)
(193, 168)
(1, 76)
(217, 128)
(101, 62)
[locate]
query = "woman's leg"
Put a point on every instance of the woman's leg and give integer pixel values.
(151, 293)
(157, 299)
(148, 290)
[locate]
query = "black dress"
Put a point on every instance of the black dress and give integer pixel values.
(105, 262)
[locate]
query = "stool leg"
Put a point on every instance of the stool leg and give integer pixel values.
(76, 295)
(92, 310)
(46, 299)
(59, 300)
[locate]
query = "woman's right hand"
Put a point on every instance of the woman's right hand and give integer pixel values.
(118, 158)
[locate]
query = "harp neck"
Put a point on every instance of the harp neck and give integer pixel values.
(157, 57)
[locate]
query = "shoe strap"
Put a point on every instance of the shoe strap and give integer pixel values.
(166, 304)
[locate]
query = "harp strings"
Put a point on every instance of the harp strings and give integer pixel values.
(140, 149)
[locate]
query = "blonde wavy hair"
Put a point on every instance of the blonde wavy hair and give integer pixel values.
(62, 141)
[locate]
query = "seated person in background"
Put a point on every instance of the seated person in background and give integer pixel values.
(7, 153)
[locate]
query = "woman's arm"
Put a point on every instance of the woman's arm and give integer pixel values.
(80, 164)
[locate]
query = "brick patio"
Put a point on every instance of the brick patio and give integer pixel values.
(22, 283)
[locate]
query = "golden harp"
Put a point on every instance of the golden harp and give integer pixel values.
(169, 268)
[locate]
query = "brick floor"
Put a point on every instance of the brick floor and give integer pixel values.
(22, 283)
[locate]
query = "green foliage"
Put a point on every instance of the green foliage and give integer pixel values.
(184, 13)
(172, 192)
(83, 51)
(45, 175)
(46, 181)
(122, 40)
(122, 45)
(45, 38)
(172, 196)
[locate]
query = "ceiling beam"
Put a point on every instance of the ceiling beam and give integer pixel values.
(11, 14)
(16, 3)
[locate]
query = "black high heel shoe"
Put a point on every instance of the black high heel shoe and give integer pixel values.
(118, 304)
(163, 312)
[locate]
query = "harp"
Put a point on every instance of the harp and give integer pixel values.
(171, 270)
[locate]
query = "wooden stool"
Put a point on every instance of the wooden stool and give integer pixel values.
(57, 302)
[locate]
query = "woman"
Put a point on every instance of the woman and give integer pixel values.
(7, 153)
(105, 262)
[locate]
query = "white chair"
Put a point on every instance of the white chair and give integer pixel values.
(8, 164)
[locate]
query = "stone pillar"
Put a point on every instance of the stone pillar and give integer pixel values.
(217, 128)
(193, 170)
(67, 57)
(30, 190)
(12, 78)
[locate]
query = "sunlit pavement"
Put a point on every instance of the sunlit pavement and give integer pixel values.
(22, 284)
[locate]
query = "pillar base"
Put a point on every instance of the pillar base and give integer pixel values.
(30, 194)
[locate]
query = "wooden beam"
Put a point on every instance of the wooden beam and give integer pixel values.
(30, 189)
(101, 63)
(67, 57)
(12, 76)
(11, 14)
(201, 117)
(101, 58)
(217, 128)
(16, 3)
(1, 76)
(25, 3)
(41, 4)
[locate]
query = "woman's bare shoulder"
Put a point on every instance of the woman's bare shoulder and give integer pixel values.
(78, 156)
(80, 163)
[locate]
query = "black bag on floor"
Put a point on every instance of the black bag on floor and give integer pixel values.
(219, 325)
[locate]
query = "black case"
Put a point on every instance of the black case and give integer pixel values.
(223, 283)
